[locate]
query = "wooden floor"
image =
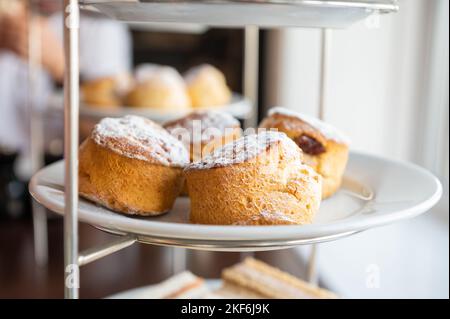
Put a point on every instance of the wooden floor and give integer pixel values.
(135, 266)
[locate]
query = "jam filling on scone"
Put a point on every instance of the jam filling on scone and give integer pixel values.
(309, 145)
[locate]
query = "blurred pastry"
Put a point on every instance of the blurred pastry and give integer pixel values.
(324, 147)
(106, 91)
(161, 88)
(12, 7)
(257, 180)
(204, 131)
(254, 279)
(145, 71)
(207, 87)
(132, 165)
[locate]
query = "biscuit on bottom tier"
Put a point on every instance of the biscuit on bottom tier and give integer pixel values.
(257, 180)
(132, 165)
(324, 147)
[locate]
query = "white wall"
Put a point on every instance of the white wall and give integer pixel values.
(388, 89)
(376, 85)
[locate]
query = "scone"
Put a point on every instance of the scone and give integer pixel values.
(257, 180)
(204, 131)
(106, 91)
(324, 147)
(132, 165)
(207, 87)
(161, 88)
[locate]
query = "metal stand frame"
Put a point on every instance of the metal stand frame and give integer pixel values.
(72, 258)
(71, 114)
(36, 139)
(325, 55)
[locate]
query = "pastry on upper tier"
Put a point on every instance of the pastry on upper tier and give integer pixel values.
(132, 165)
(324, 147)
(207, 87)
(106, 91)
(159, 87)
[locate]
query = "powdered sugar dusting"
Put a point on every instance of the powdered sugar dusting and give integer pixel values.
(145, 71)
(207, 120)
(326, 129)
(165, 75)
(247, 148)
(139, 138)
(203, 69)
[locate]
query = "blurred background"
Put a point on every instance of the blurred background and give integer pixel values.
(387, 88)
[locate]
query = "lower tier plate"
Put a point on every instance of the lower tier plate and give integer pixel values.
(375, 192)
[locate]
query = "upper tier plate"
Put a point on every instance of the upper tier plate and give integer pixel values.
(375, 192)
(240, 107)
(265, 13)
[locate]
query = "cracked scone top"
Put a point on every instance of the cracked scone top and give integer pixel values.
(248, 148)
(256, 180)
(139, 138)
(327, 130)
(210, 124)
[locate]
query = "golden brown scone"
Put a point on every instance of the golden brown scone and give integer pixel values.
(204, 131)
(106, 91)
(161, 88)
(100, 93)
(207, 87)
(324, 147)
(132, 165)
(257, 180)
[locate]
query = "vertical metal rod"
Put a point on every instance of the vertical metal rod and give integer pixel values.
(36, 137)
(251, 68)
(324, 68)
(179, 259)
(71, 105)
(40, 234)
(251, 76)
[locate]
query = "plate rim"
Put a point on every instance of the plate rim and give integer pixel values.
(258, 232)
(92, 112)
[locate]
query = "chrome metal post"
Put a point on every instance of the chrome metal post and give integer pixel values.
(36, 136)
(250, 72)
(250, 76)
(179, 259)
(71, 105)
(324, 68)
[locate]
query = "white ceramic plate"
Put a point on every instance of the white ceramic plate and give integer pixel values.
(375, 192)
(240, 107)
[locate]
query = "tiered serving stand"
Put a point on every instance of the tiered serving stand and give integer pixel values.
(376, 191)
